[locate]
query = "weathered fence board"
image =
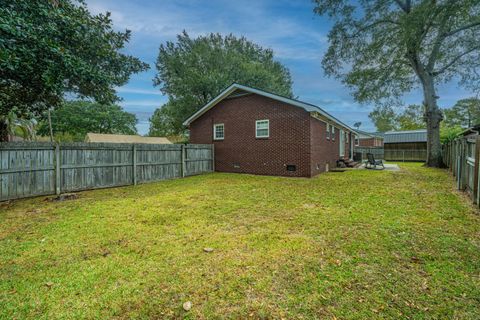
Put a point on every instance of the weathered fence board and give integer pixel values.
(360, 153)
(405, 155)
(31, 169)
(462, 157)
(390, 154)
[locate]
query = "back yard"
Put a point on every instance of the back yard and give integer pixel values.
(353, 245)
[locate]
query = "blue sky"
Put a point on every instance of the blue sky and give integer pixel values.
(297, 37)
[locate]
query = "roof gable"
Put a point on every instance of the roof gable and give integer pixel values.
(244, 89)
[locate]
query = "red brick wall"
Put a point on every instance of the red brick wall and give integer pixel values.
(240, 151)
(371, 142)
(323, 151)
(366, 142)
(295, 138)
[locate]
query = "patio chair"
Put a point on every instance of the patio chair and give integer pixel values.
(372, 163)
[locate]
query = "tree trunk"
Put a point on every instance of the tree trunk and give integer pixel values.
(433, 117)
(3, 131)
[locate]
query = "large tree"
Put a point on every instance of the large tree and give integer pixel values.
(410, 117)
(384, 118)
(385, 48)
(77, 118)
(465, 113)
(191, 72)
(57, 47)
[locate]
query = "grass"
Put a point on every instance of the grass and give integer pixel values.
(352, 245)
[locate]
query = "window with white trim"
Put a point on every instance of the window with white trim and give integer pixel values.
(218, 131)
(333, 133)
(262, 128)
(346, 136)
(328, 131)
(357, 141)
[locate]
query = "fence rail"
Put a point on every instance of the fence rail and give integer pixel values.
(360, 153)
(390, 154)
(405, 155)
(462, 157)
(33, 169)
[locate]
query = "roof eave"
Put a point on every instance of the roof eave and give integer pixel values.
(235, 86)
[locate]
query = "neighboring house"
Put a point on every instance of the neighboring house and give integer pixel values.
(367, 139)
(258, 132)
(406, 145)
(123, 138)
(472, 132)
(406, 140)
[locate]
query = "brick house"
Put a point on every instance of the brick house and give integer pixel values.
(258, 132)
(367, 139)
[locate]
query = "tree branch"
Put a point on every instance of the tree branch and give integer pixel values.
(405, 6)
(465, 27)
(454, 60)
(365, 28)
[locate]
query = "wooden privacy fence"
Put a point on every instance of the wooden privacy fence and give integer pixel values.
(405, 155)
(360, 153)
(33, 169)
(462, 157)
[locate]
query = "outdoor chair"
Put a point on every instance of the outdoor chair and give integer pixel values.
(372, 163)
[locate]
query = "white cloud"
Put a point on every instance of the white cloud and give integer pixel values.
(254, 22)
(138, 91)
(144, 103)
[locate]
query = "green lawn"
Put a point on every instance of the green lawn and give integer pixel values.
(353, 245)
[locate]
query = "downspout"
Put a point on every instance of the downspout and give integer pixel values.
(352, 142)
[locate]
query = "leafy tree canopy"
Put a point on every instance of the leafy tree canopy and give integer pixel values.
(382, 49)
(77, 118)
(191, 72)
(449, 133)
(386, 118)
(412, 118)
(50, 48)
(465, 113)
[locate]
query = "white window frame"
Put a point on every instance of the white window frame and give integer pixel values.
(268, 128)
(333, 133)
(346, 137)
(341, 144)
(357, 141)
(215, 131)
(328, 131)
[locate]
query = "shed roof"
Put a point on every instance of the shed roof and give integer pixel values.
(405, 136)
(369, 135)
(234, 87)
(124, 138)
(472, 130)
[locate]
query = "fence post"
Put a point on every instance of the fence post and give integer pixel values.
(213, 157)
(134, 164)
(476, 156)
(58, 177)
(183, 161)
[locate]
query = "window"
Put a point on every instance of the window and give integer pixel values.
(218, 131)
(333, 133)
(346, 137)
(262, 129)
(328, 131)
(357, 141)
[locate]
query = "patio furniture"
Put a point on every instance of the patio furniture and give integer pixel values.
(372, 163)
